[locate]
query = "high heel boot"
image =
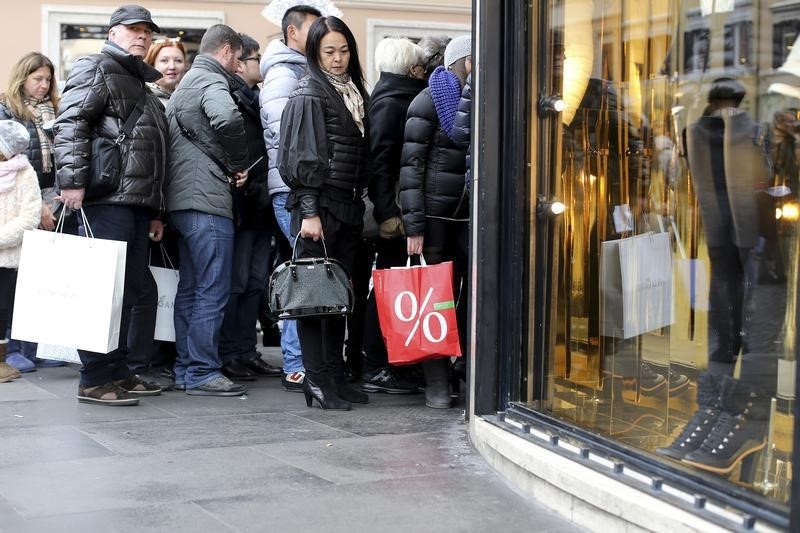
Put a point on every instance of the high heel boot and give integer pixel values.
(346, 392)
(325, 393)
(7, 372)
(702, 422)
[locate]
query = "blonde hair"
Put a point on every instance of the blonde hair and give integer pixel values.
(14, 97)
(396, 55)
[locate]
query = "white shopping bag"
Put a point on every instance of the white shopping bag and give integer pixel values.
(57, 353)
(167, 281)
(636, 285)
(69, 291)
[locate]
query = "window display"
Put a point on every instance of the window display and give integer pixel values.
(675, 264)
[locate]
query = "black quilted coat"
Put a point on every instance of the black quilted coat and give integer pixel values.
(100, 93)
(432, 170)
(323, 157)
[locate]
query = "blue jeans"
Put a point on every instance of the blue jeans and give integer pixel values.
(290, 342)
(128, 224)
(248, 282)
(205, 249)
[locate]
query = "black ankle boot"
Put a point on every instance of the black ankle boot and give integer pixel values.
(739, 431)
(325, 393)
(702, 422)
(346, 392)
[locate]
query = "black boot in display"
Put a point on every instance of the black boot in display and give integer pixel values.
(702, 422)
(738, 432)
(324, 392)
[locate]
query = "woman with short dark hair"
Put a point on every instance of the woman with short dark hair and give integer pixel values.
(323, 158)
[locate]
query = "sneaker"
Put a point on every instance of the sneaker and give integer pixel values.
(385, 380)
(159, 378)
(677, 382)
(8, 373)
(107, 394)
(293, 382)
(650, 382)
(21, 363)
(219, 386)
(133, 384)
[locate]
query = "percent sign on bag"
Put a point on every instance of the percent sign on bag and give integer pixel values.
(417, 318)
(417, 312)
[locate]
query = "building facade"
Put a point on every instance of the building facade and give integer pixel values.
(66, 29)
(638, 218)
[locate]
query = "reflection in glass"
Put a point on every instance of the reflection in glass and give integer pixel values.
(679, 164)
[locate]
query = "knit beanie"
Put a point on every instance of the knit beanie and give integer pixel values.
(14, 138)
(458, 48)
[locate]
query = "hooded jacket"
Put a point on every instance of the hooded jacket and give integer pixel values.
(206, 108)
(387, 110)
(100, 93)
(34, 148)
(281, 67)
(20, 208)
(432, 169)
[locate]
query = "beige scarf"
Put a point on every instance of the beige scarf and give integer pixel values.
(42, 111)
(352, 98)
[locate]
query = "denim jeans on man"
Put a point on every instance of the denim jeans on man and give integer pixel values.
(290, 343)
(205, 250)
(249, 280)
(131, 225)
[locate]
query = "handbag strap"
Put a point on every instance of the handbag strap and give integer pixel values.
(133, 118)
(294, 248)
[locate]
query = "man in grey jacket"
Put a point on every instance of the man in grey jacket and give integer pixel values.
(208, 155)
(283, 65)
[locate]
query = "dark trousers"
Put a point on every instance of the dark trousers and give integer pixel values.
(142, 327)
(322, 339)
(447, 240)
(390, 253)
(361, 275)
(251, 251)
(128, 224)
(8, 285)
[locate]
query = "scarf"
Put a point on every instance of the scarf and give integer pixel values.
(9, 170)
(446, 93)
(42, 111)
(352, 98)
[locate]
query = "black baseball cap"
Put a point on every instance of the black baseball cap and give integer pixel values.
(132, 14)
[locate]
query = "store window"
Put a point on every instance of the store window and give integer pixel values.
(674, 268)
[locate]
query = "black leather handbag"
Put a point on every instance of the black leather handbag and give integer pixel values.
(307, 287)
(106, 164)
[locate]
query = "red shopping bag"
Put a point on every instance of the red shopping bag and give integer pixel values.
(417, 312)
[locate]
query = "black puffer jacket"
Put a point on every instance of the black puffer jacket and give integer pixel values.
(388, 106)
(100, 93)
(323, 157)
(34, 148)
(432, 173)
(462, 128)
(254, 200)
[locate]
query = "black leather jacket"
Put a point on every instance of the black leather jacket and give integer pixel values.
(323, 157)
(100, 93)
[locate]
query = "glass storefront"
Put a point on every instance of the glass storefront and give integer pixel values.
(670, 132)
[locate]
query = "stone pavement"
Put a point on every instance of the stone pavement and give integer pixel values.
(264, 462)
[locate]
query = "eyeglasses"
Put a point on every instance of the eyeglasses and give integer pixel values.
(252, 58)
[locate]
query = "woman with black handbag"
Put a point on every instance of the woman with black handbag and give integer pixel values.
(323, 158)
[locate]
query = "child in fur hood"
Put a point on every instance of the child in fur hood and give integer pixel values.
(20, 210)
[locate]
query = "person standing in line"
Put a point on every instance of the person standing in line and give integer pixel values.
(251, 248)
(282, 66)
(402, 78)
(433, 195)
(207, 164)
(324, 158)
(168, 56)
(32, 100)
(102, 91)
(20, 210)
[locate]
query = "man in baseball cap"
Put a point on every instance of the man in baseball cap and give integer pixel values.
(132, 14)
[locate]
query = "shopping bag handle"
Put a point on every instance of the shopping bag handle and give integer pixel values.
(60, 224)
(421, 261)
(164, 257)
(294, 249)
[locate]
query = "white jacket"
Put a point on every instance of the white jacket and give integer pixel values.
(20, 210)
